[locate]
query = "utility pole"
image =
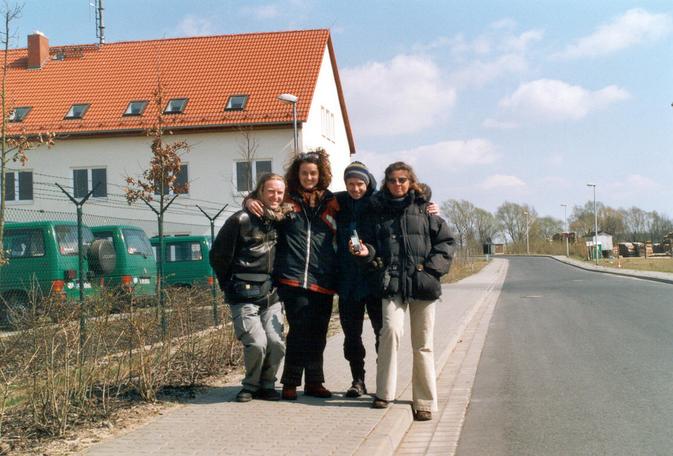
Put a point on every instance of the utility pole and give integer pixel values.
(567, 231)
(595, 225)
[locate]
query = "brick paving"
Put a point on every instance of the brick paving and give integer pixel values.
(215, 424)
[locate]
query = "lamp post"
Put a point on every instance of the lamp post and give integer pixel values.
(527, 244)
(595, 224)
(292, 99)
(567, 233)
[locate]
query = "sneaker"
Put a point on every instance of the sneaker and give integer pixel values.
(289, 393)
(245, 395)
(317, 390)
(422, 415)
(268, 394)
(380, 403)
(357, 389)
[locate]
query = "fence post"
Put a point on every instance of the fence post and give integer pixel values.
(213, 292)
(80, 258)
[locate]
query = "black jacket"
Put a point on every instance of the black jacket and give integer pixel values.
(246, 244)
(306, 256)
(355, 283)
(413, 248)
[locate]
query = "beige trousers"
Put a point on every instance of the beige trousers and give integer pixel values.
(423, 378)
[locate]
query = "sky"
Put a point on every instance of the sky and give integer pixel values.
(490, 101)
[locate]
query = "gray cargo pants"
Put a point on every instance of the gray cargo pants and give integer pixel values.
(260, 329)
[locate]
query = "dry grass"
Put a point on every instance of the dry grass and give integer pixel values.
(464, 267)
(658, 264)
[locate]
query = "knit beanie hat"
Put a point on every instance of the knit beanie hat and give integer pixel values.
(357, 170)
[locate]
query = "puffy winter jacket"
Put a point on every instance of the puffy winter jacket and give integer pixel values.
(306, 255)
(413, 248)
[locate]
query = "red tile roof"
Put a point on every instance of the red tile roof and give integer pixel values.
(207, 70)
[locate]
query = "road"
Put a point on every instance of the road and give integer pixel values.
(575, 363)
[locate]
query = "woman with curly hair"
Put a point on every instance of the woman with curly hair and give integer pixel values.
(305, 271)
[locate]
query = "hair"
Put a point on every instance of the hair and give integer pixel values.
(318, 157)
(263, 179)
(413, 180)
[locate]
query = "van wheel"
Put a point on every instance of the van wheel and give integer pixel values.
(13, 306)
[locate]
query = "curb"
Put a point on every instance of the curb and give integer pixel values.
(398, 418)
(633, 273)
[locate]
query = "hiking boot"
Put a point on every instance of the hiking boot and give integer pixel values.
(245, 395)
(317, 390)
(357, 389)
(422, 415)
(380, 403)
(268, 394)
(289, 393)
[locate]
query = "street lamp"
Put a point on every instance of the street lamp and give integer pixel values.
(292, 99)
(567, 232)
(527, 245)
(595, 224)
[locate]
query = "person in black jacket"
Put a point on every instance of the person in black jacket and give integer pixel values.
(413, 250)
(306, 271)
(356, 292)
(242, 257)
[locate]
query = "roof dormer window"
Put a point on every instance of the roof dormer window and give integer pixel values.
(136, 108)
(77, 111)
(176, 106)
(18, 114)
(236, 103)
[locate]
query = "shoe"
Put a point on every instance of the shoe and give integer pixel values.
(289, 393)
(380, 403)
(357, 389)
(317, 390)
(268, 394)
(245, 395)
(422, 415)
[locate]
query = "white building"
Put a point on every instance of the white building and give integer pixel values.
(221, 96)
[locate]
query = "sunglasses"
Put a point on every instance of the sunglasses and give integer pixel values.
(397, 180)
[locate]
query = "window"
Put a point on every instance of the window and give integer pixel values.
(24, 243)
(77, 111)
(247, 173)
(181, 180)
(236, 103)
(66, 235)
(183, 251)
(19, 185)
(327, 123)
(86, 179)
(137, 242)
(135, 108)
(175, 106)
(18, 114)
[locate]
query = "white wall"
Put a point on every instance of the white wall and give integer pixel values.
(326, 96)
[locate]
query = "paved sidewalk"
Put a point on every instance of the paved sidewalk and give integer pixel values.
(215, 424)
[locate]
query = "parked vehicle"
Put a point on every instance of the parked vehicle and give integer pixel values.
(186, 262)
(136, 268)
(43, 261)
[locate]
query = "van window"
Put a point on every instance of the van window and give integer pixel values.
(24, 243)
(66, 236)
(137, 242)
(184, 251)
(104, 235)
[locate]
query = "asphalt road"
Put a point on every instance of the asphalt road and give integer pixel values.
(575, 363)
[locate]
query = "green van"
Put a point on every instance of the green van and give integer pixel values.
(43, 258)
(136, 268)
(187, 261)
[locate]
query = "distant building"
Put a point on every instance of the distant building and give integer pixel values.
(221, 96)
(603, 239)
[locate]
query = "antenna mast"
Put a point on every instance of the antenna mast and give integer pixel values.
(100, 26)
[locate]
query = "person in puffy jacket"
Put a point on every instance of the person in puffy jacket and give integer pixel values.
(242, 257)
(413, 249)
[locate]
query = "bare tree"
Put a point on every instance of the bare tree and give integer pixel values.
(460, 215)
(513, 218)
(245, 176)
(485, 224)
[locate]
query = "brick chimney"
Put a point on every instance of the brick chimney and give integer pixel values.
(38, 50)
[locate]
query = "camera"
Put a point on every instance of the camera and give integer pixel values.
(355, 240)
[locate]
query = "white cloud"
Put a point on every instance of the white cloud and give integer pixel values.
(502, 181)
(404, 95)
(499, 124)
(548, 99)
(478, 73)
(633, 27)
(639, 182)
(191, 25)
(262, 12)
